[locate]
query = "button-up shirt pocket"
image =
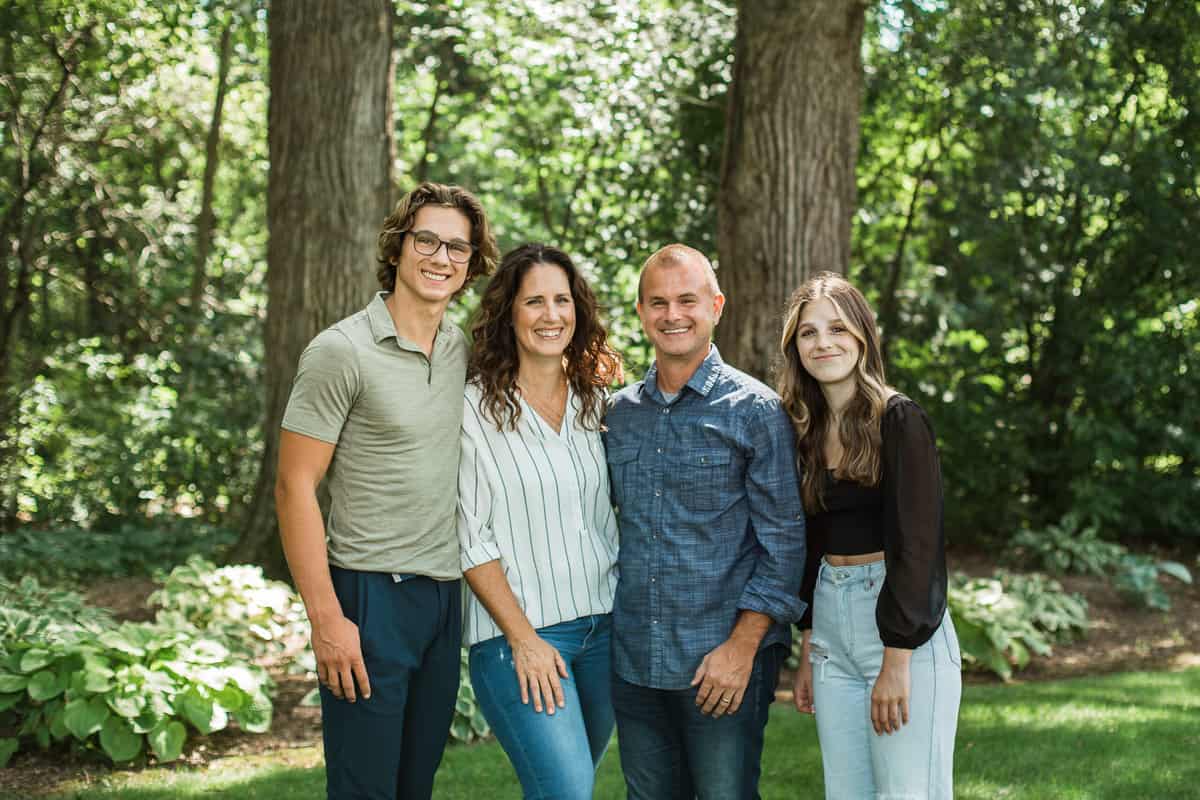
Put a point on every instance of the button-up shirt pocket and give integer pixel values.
(708, 476)
(622, 467)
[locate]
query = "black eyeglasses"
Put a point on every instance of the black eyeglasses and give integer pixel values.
(427, 243)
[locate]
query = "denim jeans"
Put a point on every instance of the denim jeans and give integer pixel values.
(671, 751)
(846, 654)
(555, 756)
(388, 746)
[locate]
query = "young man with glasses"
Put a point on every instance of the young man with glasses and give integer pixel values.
(376, 407)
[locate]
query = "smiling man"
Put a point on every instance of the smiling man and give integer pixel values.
(377, 404)
(712, 548)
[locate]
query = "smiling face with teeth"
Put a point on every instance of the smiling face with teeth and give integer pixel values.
(543, 313)
(433, 279)
(679, 305)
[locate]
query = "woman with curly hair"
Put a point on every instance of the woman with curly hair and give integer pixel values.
(537, 532)
(881, 664)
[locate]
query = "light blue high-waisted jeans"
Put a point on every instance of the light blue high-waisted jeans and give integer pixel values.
(915, 763)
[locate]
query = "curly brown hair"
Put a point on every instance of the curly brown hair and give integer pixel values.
(860, 428)
(399, 222)
(590, 363)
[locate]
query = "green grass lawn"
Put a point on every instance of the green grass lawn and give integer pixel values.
(1122, 737)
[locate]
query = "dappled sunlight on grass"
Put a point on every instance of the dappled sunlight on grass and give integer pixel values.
(1110, 738)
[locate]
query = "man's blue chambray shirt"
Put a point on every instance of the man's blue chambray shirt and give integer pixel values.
(708, 505)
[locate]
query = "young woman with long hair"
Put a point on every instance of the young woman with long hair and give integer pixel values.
(881, 663)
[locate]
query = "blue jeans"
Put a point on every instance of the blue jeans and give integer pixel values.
(555, 756)
(671, 751)
(846, 654)
(388, 747)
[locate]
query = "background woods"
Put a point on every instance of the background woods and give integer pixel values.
(1014, 184)
(190, 191)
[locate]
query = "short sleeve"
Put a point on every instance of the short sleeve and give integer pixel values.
(325, 388)
(913, 599)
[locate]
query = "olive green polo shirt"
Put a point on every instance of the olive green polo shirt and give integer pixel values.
(394, 417)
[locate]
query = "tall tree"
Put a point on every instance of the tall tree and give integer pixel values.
(787, 193)
(330, 141)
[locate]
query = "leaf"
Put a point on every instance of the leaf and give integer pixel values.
(312, 699)
(166, 740)
(205, 715)
(44, 685)
(33, 660)
(119, 741)
(7, 701)
(1176, 570)
(127, 705)
(8, 748)
(13, 683)
(255, 717)
(83, 717)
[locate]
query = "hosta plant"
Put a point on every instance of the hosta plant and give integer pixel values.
(125, 690)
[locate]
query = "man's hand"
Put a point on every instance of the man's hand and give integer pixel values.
(339, 658)
(889, 697)
(539, 667)
(722, 677)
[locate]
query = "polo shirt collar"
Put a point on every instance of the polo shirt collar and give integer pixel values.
(701, 382)
(382, 326)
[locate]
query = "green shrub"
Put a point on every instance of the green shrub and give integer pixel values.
(1136, 578)
(68, 554)
(251, 614)
(257, 617)
(1066, 547)
(123, 690)
(1003, 619)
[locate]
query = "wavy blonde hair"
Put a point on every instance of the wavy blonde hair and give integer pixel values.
(860, 428)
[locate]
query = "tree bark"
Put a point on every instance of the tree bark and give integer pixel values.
(212, 160)
(329, 188)
(787, 193)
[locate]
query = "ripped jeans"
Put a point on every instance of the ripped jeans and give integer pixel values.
(917, 762)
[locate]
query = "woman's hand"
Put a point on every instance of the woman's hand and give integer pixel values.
(539, 667)
(889, 698)
(802, 687)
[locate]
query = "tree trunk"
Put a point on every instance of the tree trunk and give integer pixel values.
(787, 179)
(329, 188)
(212, 159)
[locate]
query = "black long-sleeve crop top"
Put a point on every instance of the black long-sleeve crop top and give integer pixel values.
(902, 516)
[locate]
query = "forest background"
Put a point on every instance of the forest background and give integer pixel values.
(1012, 182)
(1026, 222)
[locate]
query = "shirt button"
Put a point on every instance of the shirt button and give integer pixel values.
(659, 451)
(658, 492)
(666, 411)
(652, 580)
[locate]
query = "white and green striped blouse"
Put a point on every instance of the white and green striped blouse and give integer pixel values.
(538, 500)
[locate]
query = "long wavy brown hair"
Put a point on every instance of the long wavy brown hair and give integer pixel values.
(860, 427)
(590, 363)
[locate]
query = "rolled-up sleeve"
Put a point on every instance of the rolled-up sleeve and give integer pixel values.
(776, 516)
(476, 540)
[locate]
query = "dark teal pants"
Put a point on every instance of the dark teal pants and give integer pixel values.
(388, 747)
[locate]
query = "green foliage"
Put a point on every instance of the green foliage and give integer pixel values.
(68, 674)
(1137, 578)
(1068, 546)
(469, 724)
(252, 615)
(1001, 621)
(69, 554)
